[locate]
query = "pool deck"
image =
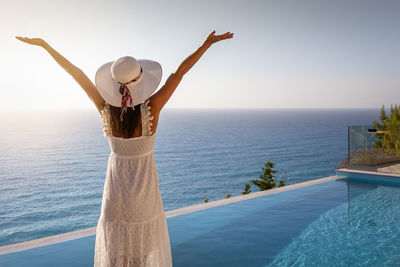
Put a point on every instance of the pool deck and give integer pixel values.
(51, 240)
(393, 168)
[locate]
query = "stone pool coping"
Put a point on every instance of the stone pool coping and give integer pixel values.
(369, 172)
(55, 239)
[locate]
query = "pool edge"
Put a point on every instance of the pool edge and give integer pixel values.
(368, 172)
(231, 200)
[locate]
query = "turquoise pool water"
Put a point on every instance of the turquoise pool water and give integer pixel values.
(348, 222)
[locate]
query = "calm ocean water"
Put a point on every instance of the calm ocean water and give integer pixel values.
(52, 165)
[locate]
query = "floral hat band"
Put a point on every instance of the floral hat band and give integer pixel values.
(127, 100)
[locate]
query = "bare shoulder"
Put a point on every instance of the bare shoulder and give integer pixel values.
(161, 97)
(154, 104)
(101, 106)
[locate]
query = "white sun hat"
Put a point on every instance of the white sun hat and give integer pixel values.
(140, 77)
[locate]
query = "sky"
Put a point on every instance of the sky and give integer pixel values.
(284, 54)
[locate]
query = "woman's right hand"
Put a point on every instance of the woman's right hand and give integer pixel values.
(32, 41)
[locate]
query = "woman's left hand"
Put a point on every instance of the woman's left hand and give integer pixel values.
(212, 38)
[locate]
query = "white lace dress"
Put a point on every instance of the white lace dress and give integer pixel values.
(132, 228)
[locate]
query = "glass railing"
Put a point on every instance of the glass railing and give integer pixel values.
(369, 147)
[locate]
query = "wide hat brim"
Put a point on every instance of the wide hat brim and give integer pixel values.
(140, 90)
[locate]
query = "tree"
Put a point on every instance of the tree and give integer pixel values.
(380, 126)
(388, 131)
(246, 189)
(229, 194)
(267, 179)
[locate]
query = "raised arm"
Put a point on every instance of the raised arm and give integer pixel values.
(74, 71)
(159, 99)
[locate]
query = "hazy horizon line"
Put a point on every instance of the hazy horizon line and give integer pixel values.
(202, 108)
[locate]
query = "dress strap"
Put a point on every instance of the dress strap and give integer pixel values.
(146, 118)
(105, 116)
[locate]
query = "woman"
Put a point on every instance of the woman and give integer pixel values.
(132, 228)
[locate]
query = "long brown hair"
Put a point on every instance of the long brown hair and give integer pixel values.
(131, 120)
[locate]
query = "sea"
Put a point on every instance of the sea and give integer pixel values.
(53, 163)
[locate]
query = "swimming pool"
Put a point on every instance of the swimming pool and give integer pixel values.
(339, 222)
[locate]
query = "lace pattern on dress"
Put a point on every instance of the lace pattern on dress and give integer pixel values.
(147, 118)
(105, 117)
